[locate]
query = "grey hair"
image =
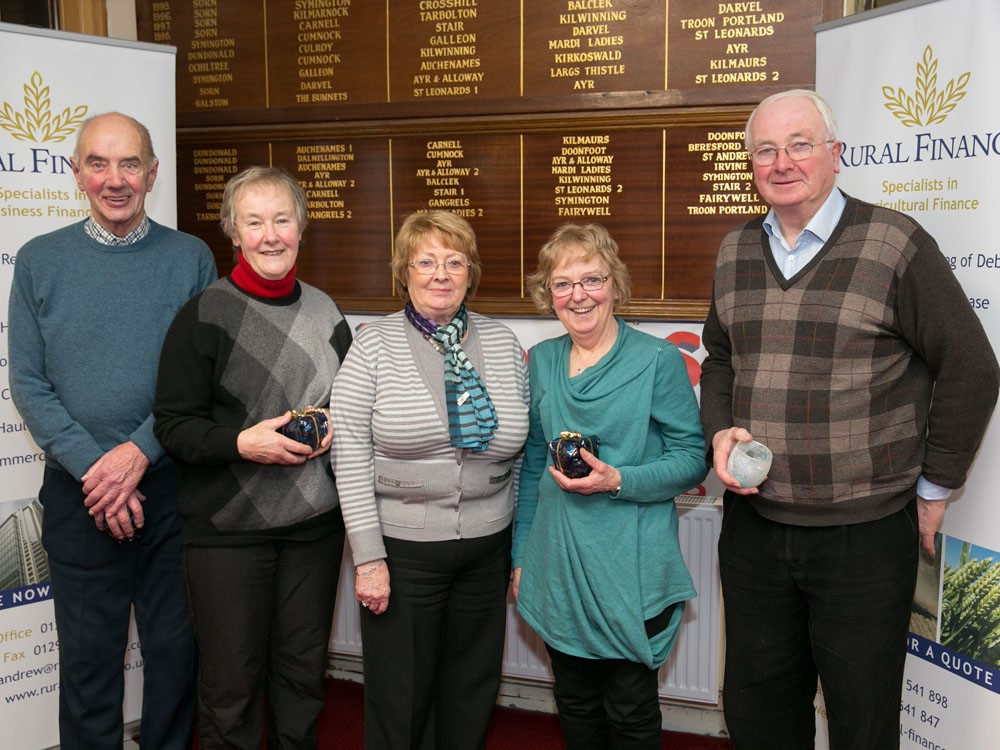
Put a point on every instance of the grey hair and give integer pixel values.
(145, 139)
(252, 177)
(822, 107)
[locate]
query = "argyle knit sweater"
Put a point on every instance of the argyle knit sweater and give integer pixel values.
(863, 371)
(230, 360)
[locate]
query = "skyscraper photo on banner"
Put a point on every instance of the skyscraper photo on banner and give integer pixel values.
(914, 88)
(51, 83)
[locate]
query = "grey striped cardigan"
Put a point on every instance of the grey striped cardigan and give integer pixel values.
(397, 473)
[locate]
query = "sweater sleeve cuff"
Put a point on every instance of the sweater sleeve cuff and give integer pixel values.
(367, 547)
(619, 491)
(146, 441)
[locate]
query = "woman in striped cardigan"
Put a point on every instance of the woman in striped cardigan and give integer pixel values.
(430, 413)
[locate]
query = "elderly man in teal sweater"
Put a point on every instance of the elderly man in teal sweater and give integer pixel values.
(89, 307)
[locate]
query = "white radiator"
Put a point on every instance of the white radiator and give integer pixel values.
(692, 671)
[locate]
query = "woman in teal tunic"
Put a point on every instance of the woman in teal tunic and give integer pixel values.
(598, 571)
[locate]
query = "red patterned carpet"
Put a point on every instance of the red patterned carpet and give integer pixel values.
(341, 727)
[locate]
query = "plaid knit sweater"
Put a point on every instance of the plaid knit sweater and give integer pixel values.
(862, 371)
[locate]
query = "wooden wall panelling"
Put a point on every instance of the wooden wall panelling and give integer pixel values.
(519, 115)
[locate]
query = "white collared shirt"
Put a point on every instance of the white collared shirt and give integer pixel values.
(791, 260)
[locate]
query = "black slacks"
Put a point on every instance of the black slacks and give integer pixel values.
(606, 704)
(432, 660)
(95, 583)
(262, 615)
(805, 601)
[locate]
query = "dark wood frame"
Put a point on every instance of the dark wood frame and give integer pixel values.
(616, 112)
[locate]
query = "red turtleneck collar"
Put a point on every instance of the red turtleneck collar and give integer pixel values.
(253, 283)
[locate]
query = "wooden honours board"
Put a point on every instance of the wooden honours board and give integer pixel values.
(520, 116)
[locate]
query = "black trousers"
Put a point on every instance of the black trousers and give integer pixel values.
(262, 615)
(608, 703)
(95, 583)
(806, 601)
(432, 660)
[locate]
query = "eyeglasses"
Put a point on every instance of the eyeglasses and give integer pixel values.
(427, 266)
(797, 151)
(588, 284)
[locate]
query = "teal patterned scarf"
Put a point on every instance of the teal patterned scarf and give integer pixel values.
(472, 418)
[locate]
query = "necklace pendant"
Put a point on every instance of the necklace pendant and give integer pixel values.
(434, 342)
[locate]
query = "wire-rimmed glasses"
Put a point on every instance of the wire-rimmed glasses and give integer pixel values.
(564, 288)
(427, 266)
(765, 156)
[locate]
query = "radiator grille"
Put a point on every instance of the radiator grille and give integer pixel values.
(692, 671)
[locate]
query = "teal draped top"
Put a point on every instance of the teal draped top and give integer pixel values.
(596, 567)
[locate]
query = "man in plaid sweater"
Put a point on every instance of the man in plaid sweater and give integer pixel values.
(839, 337)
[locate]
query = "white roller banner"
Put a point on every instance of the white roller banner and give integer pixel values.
(915, 91)
(51, 82)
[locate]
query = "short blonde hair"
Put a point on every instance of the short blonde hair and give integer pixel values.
(452, 230)
(583, 242)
